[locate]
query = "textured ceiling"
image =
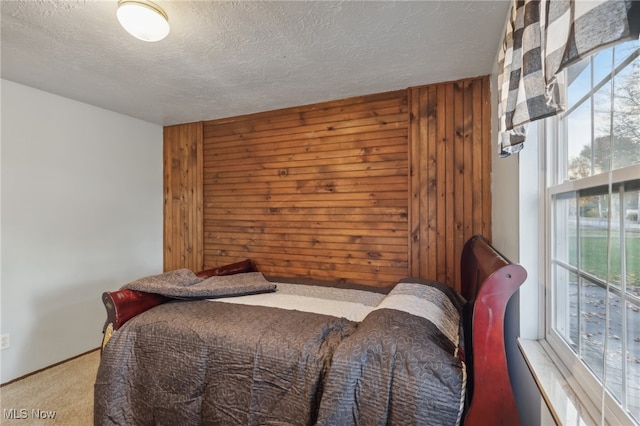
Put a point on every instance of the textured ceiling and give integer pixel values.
(229, 58)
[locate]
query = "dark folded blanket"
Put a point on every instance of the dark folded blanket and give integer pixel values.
(184, 284)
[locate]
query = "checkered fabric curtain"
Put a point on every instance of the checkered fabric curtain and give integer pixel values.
(543, 38)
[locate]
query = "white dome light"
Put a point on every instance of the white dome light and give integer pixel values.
(143, 19)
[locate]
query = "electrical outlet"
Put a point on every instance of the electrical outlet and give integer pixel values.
(4, 341)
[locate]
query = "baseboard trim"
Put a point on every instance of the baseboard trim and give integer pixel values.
(48, 367)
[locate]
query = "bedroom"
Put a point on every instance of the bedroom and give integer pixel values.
(111, 183)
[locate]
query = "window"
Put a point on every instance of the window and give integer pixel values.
(593, 199)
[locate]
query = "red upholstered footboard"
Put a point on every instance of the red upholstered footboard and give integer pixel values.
(488, 281)
(122, 305)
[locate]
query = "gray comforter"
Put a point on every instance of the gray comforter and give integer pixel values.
(234, 362)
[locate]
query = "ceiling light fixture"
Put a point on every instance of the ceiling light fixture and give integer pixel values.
(143, 20)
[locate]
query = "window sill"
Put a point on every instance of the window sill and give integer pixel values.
(567, 407)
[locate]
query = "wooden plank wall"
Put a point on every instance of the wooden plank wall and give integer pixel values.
(317, 191)
(365, 190)
(450, 174)
(183, 197)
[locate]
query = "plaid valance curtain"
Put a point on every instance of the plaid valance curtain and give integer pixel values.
(543, 38)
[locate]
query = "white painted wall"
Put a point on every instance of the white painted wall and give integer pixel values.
(515, 231)
(513, 189)
(81, 214)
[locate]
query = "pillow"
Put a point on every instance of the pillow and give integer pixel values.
(237, 285)
(184, 284)
(177, 278)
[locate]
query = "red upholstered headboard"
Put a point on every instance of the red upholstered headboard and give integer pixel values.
(122, 305)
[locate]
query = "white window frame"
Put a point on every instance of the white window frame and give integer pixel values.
(600, 404)
(589, 385)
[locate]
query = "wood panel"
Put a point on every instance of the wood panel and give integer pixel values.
(316, 191)
(366, 190)
(450, 179)
(183, 218)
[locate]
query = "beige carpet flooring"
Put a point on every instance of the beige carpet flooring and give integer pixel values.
(66, 391)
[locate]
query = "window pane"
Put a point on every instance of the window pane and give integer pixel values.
(602, 112)
(632, 251)
(632, 241)
(592, 317)
(626, 116)
(565, 223)
(615, 347)
(630, 203)
(633, 359)
(602, 65)
(593, 235)
(622, 51)
(602, 129)
(615, 266)
(579, 81)
(579, 142)
(566, 305)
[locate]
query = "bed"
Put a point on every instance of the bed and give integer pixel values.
(230, 346)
